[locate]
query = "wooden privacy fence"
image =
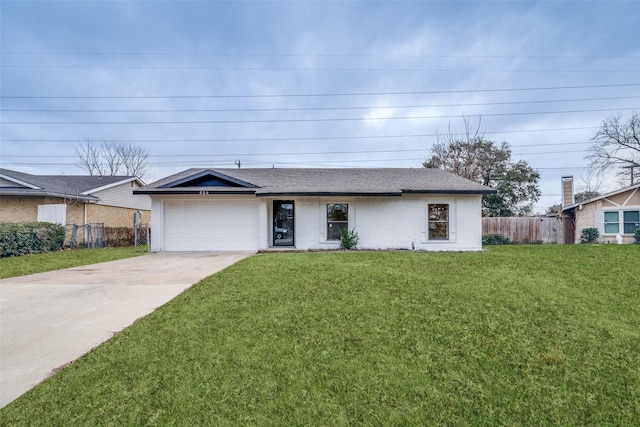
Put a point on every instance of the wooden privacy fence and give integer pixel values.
(526, 229)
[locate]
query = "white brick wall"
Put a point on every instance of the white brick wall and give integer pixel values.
(381, 222)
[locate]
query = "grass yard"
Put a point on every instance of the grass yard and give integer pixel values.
(518, 335)
(39, 263)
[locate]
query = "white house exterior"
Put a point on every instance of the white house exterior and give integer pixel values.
(306, 209)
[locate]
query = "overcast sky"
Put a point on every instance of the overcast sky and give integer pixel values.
(313, 83)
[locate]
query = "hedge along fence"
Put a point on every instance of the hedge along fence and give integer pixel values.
(119, 236)
(30, 238)
(96, 235)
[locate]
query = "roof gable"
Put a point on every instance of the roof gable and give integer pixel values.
(14, 180)
(612, 197)
(208, 178)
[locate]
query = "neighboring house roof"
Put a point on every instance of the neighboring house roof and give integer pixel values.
(301, 182)
(79, 187)
(604, 196)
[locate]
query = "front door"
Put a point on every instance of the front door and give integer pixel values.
(283, 223)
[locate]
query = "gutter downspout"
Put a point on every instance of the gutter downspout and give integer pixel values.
(84, 208)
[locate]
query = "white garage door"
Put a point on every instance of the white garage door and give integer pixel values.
(211, 226)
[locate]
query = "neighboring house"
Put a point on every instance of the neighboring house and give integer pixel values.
(69, 199)
(613, 214)
(253, 209)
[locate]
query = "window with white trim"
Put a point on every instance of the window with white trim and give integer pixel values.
(631, 221)
(337, 220)
(438, 218)
(621, 222)
(611, 222)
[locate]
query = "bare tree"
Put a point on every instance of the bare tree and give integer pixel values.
(589, 188)
(112, 160)
(134, 160)
(87, 157)
(616, 146)
(109, 158)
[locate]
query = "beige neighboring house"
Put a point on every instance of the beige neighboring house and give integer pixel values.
(613, 214)
(71, 199)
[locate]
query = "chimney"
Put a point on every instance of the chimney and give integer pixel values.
(567, 191)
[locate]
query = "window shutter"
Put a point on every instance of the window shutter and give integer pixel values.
(599, 221)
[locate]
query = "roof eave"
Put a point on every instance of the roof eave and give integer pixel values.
(203, 191)
(41, 193)
(328, 194)
(489, 191)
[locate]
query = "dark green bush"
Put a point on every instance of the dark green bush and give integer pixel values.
(495, 239)
(349, 239)
(637, 236)
(30, 238)
(589, 235)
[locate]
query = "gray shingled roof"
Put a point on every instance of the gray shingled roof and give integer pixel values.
(58, 185)
(325, 181)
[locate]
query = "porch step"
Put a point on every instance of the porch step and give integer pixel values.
(281, 250)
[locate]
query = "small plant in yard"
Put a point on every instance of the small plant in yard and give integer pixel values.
(349, 239)
(495, 239)
(589, 235)
(637, 236)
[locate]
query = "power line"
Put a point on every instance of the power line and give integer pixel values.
(311, 55)
(433, 92)
(374, 107)
(343, 69)
(332, 119)
(291, 163)
(315, 138)
(306, 153)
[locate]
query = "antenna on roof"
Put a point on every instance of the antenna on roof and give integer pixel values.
(238, 163)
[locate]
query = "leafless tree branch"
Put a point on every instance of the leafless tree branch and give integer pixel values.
(110, 158)
(616, 146)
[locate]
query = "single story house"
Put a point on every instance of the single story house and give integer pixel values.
(71, 199)
(613, 214)
(254, 209)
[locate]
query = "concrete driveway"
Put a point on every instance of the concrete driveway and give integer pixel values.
(50, 319)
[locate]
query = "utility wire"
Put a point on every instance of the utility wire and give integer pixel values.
(343, 69)
(432, 92)
(374, 107)
(307, 153)
(311, 55)
(290, 163)
(315, 138)
(332, 119)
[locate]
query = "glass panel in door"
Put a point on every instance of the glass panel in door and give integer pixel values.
(283, 223)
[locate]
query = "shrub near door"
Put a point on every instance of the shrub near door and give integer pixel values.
(589, 235)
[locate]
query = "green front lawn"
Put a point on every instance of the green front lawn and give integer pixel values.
(39, 263)
(518, 335)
